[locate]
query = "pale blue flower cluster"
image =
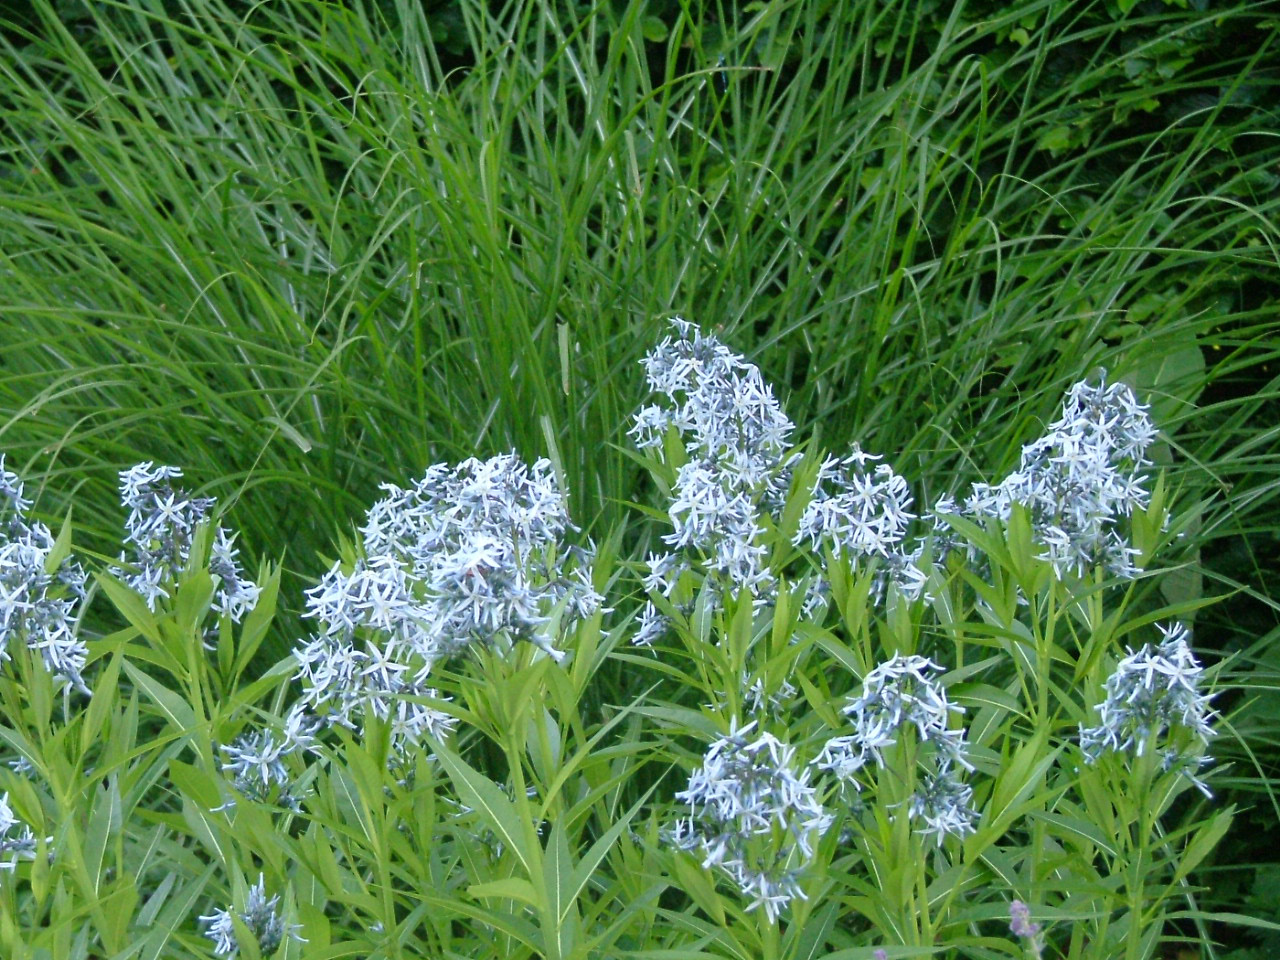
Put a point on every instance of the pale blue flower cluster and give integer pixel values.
(17, 842)
(736, 462)
(37, 604)
(260, 915)
(158, 532)
(753, 815)
(734, 475)
(739, 797)
(1079, 480)
(866, 516)
(863, 509)
(902, 693)
(1153, 695)
(256, 759)
(719, 404)
(471, 554)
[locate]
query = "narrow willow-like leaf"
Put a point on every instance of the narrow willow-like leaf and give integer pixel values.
(490, 804)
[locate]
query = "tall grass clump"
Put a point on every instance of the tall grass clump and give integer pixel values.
(899, 619)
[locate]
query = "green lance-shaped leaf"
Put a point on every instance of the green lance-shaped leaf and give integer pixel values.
(492, 806)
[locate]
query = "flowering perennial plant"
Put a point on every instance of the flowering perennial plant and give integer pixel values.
(736, 471)
(1079, 480)
(724, 441)
(470, 554)
(473, 558)
(1152, 695)
(37, 604)
(901, 694)
(15, 844)
(162, 520)
(259, 915)
(754, 816)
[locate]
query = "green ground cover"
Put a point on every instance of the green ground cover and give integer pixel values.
(304, 249)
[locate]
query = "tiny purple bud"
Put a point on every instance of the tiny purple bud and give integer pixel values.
(1020, 920)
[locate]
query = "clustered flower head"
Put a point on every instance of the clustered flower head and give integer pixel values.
(1152, 695)
(259, 915)
(736, 471)
(718, 402)
(897, 695)
(15, 844)
(37, 605)
(1079, 480)
(158, 532)
(753, 816)
(866, 516)
(256, 759)
(470, 555)
(734, 435)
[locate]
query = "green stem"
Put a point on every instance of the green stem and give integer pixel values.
(1138, 863)
(770, 942)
